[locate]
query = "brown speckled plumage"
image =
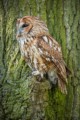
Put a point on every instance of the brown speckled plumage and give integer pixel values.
(41, 52)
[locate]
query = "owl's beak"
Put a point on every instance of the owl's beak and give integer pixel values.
(19, 34)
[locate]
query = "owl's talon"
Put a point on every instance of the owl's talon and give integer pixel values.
(38, 75)
(35, 73)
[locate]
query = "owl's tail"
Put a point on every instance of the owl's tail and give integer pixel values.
(60, 76)
(62, 83)
(55, 79)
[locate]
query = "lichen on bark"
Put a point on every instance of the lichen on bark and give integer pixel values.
(21, 96)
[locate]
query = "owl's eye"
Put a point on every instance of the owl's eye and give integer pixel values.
(25, 25)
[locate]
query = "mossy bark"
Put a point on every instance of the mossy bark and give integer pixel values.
(21, 96)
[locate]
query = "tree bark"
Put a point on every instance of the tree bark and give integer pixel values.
(22, 97)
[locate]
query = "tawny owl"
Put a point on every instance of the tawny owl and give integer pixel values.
(41, 52)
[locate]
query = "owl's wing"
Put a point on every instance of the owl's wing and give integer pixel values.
(51, 51)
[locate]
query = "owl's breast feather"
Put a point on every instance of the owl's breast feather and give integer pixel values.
(21, 44)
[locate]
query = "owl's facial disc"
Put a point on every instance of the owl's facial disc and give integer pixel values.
(23, 29)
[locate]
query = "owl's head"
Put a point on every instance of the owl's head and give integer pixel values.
(30, 25)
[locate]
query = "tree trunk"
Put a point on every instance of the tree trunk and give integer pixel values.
(22, 97)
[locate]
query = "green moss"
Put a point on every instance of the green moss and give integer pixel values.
(56, 106)
(21, 95)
